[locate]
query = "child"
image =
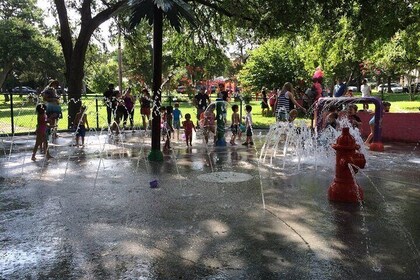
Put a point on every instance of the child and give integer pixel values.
(168, 127)
(235, 124)
(80, 124)
(248, 125)
(272, 101)
(349, 93)
(292, 115)
(177, 119)
(387, 107)
(163, 130)
(332, 120)
(330, 117)
(188, 128)
(41, 132)
(208, 122)
(354, 119)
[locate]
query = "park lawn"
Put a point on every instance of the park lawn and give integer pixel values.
(25, 117)
(400, 102)
(405, 106)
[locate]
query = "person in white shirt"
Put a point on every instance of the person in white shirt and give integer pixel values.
(366, 92)
(248, 125)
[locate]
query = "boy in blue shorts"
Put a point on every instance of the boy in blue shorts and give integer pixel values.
(81, 124)
(177, 115)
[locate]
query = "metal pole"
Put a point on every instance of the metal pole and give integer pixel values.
(119, 60)
(11, 114)
(240, 110)
(97, 113)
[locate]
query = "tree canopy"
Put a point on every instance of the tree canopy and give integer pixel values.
(337, 35)
(25, 47)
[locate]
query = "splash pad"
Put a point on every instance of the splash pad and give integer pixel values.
(91, 212)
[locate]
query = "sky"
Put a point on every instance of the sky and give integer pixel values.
(49, 19)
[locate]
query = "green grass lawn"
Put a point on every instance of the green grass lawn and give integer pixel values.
(400, 102)
(25, 117)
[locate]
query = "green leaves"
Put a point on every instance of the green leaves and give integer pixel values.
(271, 65)
(25, 50)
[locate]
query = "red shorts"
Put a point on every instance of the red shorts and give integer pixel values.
(145, 112)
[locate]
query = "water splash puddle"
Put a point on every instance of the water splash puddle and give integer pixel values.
(415, 160)
(224, 177)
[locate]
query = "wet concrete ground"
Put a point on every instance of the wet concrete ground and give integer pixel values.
(90, 214)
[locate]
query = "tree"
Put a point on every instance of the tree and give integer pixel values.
(202, 60)
(21, 9)
(272, 64)
(102, 75)
(137, 55)
(154, 12)
(15, 41)
(398, 56)
(264, 18)
(22, 47)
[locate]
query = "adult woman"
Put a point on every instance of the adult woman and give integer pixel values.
(52, 103)
(129, 101)
(264, 103)
(282, 105)
(145, 104)
(119, 111)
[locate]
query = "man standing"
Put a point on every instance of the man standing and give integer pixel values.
(366, 92)
(109, 98)
(341, 90)
(201, 101)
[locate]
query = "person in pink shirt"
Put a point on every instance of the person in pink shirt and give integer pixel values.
(188, 129)
(208, 122)
(317, 79)
(41, 132)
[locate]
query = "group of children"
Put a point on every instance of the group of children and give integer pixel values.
(171, 121)
(45, 124)
(332, 116)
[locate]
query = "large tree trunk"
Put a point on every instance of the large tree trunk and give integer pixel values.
(74, 55)
(75, 73)
(75, 84)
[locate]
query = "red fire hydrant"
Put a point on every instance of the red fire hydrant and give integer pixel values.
(344, 187)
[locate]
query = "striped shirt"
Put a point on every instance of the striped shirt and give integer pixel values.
(283, 104)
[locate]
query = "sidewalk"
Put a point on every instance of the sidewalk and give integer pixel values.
(90, 213)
